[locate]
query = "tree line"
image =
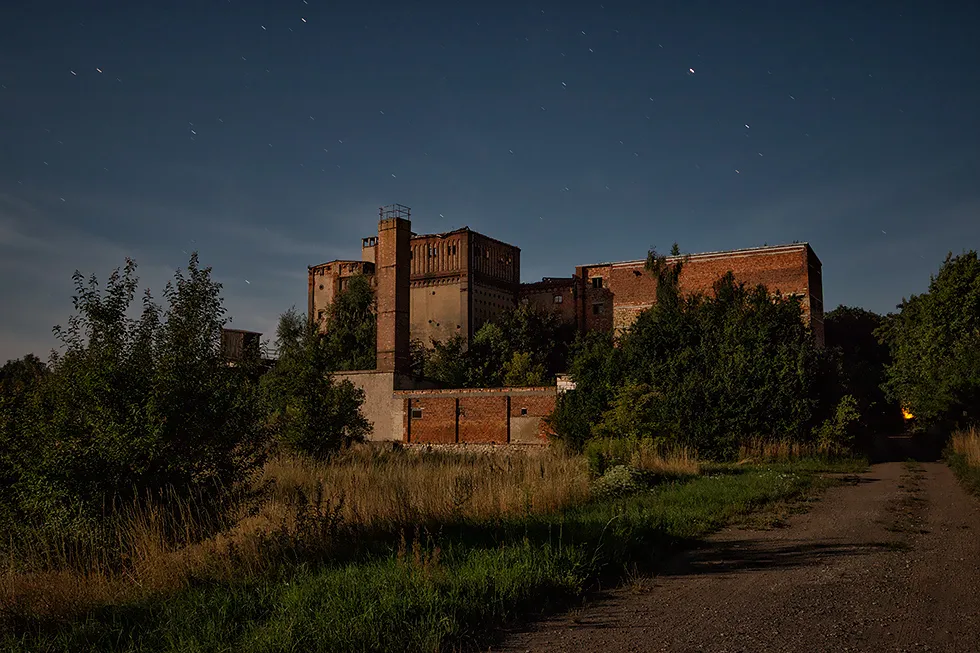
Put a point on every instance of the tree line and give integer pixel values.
(147, 405)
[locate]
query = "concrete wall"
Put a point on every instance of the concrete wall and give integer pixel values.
(477, 416)
(437, 310)
(382, 407)
(489, 302)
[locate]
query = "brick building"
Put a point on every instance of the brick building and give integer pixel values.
(439, 284)
(404, 408)
(461, 279)
(609, 296)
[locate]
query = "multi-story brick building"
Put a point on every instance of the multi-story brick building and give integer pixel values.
(461, 279)
(474, 278)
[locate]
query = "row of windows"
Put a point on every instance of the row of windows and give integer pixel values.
(451, 250)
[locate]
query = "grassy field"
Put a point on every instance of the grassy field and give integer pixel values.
(388, 551)
(963, 456)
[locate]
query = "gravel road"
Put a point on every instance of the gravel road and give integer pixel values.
(888, 562)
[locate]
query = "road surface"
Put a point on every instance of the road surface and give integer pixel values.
(889, 562)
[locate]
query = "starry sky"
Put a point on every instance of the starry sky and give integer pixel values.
(266, 136)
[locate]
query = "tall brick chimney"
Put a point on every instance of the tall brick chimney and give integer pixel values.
(393, 270)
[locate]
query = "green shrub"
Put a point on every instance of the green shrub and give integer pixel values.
(306, 410)
(702, 372)
(836, 433)
(132, 406)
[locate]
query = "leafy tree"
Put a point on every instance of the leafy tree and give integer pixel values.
(523, 346)
(19, 374)
(934, 341)
(306, 409)
(352, 327)
(852, 330)
(133, 406)
(447, 362)
(704, 371)
(596, 368)
(522, 371)
(631, 414)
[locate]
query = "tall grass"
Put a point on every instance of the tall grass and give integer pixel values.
(963, 455)
(431, 594)
(967, 444)
(784, 450)
(307, 510)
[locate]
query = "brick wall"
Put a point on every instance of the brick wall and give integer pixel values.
(483, 419)
(477, 416)
(627, 288)
(552, 295)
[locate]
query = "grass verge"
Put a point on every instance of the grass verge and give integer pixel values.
(963, 456)
(438, 590)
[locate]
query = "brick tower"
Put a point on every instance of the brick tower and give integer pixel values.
(393, 270)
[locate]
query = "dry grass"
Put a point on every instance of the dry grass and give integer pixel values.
(308, 506)
(675, 462)
(967, 444)
(779, 450)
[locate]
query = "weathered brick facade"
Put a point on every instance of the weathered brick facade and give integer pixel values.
(440, 284)
(613, 294)
(477, 416)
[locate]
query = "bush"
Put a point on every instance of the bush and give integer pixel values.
(837, 434)
(306, 410)
(703, 372)
(142, 406)
(524, 346)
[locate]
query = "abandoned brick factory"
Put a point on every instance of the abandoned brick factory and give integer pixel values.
(434, 286)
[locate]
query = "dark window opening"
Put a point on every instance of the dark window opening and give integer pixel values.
(523, 411)
(416, 413)
(597, 282)
(597, 309)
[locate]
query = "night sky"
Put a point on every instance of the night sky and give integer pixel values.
(266, 136)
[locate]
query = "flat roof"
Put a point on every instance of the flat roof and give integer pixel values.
(728, 253)
(336, 260)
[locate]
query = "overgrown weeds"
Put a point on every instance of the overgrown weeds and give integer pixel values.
(433, 589)
(309, 511)
(963, 455)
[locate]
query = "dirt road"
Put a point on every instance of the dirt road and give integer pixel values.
(890, 562)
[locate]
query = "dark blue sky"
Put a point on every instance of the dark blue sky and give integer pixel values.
(266, 135)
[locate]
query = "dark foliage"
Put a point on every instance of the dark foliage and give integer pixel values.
(131, 406)
(352, 326)
(934, 341)
(706, 372)
(524, 346)
(306, 410)
(851, 330)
